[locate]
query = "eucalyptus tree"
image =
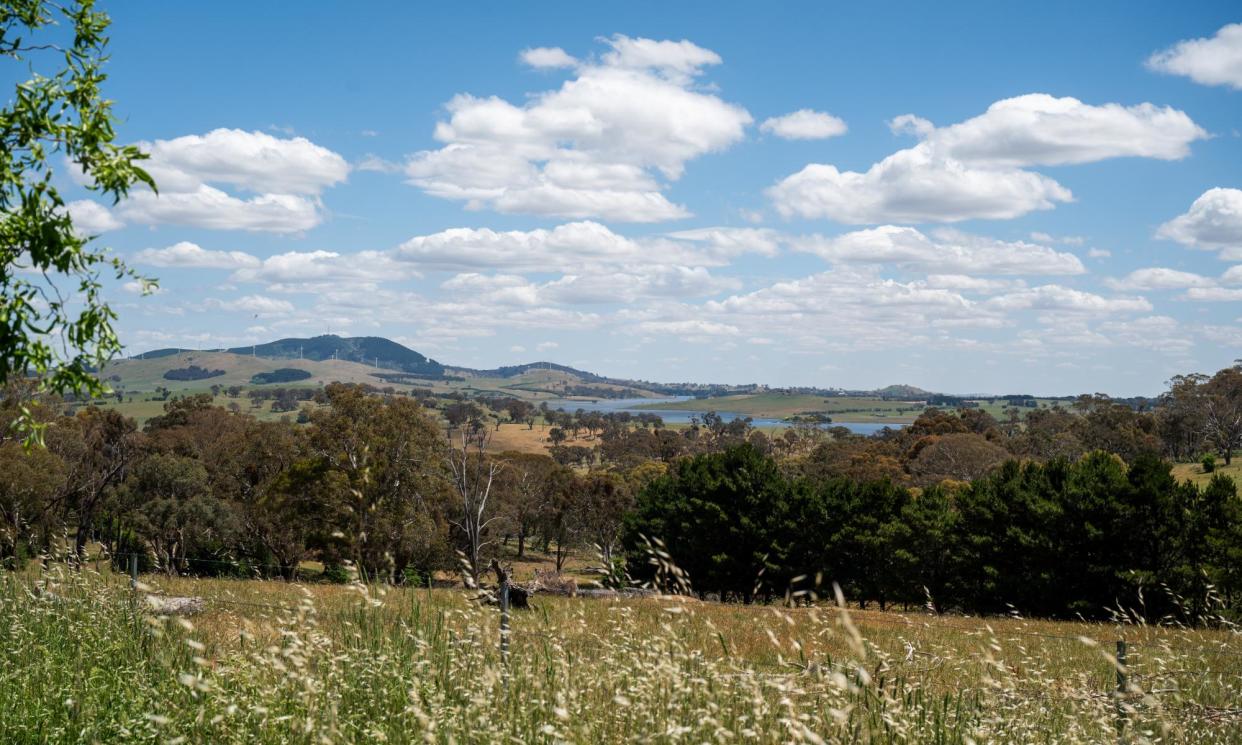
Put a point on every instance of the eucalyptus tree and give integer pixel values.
(54, 320)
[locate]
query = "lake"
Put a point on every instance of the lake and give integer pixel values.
(674, 415)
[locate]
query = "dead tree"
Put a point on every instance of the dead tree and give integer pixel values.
(473, 475)
(519, 597)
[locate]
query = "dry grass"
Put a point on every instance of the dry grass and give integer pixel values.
(276, 662)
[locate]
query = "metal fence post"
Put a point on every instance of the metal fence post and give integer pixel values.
(133, 571)
(504, 624)
(1122, 685)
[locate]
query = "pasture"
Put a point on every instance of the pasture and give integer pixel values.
(86, 660)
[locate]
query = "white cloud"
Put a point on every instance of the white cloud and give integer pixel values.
(1160, 278)
(92, 218)
(1214, 221)
(1214, 61)
(947, 251)
(1068, 240)
(283, 176)
(909, 124)
(975, 169)
(208, 207)
(1214, 294)
(596, 147)
(376, 164)
(914, 185)
(309, 270)
(804, 124)
(572, 247)
(692, 328)
(190, 255)
(254, 161)
(547, 58)
(1038, 129)
(498, 289)
(257, 304)
(725, 241)
(544, 346)
(1098, 253)
(1068, 300)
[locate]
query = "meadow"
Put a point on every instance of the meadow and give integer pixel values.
(85, 659)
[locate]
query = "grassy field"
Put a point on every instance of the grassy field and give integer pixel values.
(83, 659)
(1194, 471)
(780, 405)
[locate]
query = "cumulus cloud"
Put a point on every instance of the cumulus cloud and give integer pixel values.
(602, 145)
(254, 161)
(192, 256)
(945, 251)
(1213, 222)
(92, 218)
(1214, 294)
(547, 58)
(1068, 300)
(690, 329)
(298, 270)
(978, 168)
(1214, 61)
(281, 180)
(1038, 129)
(804, 124)
(914, 185)
(568, 248)
(1160, 278)
(257, 304)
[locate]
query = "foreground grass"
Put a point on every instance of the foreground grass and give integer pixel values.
(85, 660)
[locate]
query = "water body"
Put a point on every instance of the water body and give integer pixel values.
(674, 415)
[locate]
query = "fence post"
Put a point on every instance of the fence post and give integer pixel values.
(504, 624)
(1121, 689)
(133, 571)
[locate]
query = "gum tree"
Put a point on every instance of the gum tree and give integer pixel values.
(54, 321)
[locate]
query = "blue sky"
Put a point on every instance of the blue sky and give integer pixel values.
(988, 197)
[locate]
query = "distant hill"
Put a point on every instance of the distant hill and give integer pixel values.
(512, 371)
(368, 350)
(904, 392)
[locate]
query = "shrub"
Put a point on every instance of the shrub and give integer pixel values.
(281, 375)
(1209, 462)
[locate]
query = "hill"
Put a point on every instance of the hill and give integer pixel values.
(375, 351)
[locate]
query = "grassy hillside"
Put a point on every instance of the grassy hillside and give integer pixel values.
(147, 374)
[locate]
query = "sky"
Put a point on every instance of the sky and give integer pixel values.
(972, 197)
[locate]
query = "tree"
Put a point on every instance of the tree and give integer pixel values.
(959, 456)
(524, 490)
(1223, 411)
(61, 339)
(96, 445)
(605, 498)
(473, 475)
(384, 458)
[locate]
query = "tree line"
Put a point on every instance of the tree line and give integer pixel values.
(1058, 511)
(1061, 538)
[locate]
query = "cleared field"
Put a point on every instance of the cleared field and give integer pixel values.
(780, 405)
(146, 375)
(82, 659)
(1194, 471)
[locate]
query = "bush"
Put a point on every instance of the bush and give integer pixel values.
(336, 574)
(193, 372)
(1209, 462)
(281, 375)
